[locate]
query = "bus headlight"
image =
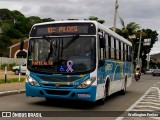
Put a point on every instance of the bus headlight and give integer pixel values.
(31, 81)
(86, 83)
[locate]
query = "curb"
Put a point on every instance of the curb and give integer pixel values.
(5, 93)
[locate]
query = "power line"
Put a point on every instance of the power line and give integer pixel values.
(75, 5)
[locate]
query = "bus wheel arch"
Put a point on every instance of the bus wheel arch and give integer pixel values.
(107, 86)
(123, 91)
(106, 92)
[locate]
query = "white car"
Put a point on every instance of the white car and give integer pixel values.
(148, 71)
(19, 69)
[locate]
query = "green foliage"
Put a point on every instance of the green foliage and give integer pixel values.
(47, 19)
(14, 33)
(96, 19)
(9, 66)
(132, 32)
(5, 27)
(5, 14)
(15, 25)
(12, 80)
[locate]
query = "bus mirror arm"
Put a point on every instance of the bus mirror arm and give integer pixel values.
(102, 42)
(101, 63)
(21, 45)
(22, 42)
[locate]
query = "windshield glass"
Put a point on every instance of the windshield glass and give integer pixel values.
(75, 54)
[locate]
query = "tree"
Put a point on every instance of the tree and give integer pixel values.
(5, 14)
(5, 42)
(34, 19)
(47, 20)
(129, 30)
(96, 19)
(153, 35)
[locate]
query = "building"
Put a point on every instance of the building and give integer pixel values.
(15, 51)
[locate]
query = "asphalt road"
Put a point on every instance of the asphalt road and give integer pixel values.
(114, 104)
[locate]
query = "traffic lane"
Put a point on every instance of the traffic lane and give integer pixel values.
(115, 102)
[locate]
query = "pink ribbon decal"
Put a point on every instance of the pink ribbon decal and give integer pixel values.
(69, 65)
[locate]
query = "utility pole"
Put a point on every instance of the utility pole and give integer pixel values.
(115, 15)
(139, 48)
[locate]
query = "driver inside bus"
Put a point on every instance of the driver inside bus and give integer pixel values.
(85, 51)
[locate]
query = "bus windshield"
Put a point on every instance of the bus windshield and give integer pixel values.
(63, 55)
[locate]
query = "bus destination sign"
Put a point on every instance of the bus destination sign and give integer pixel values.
(63, 29)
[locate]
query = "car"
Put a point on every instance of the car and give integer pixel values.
(156, 72)
(148, 71)
(19, 69)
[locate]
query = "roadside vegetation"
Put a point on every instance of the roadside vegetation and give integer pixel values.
(14, 27)
(11, 80)
(9, 66)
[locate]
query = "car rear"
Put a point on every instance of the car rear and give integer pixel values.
(156, 72)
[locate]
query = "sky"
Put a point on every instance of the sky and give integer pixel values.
(143, 12)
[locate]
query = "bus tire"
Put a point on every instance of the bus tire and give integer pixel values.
(49, 99)
(102, 100)
(123, 91)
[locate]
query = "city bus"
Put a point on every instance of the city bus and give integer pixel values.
(78, 60)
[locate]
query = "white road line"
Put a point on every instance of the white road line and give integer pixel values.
(147, 106)
(142, 110)
(149, 103)
(152, 90)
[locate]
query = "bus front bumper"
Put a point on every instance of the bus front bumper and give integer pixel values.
(87, 94)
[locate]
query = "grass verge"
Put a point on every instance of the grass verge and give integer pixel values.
(12, 80)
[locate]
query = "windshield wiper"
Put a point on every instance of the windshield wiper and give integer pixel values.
(71, 41)
(47, 38)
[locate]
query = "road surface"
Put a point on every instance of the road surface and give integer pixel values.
(145, 90)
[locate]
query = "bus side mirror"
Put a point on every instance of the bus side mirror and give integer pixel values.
(101, 63)
(102, 42)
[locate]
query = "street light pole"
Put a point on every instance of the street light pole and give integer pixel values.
(115, 15)
(139, 48)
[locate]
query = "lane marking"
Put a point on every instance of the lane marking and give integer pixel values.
(150, 101)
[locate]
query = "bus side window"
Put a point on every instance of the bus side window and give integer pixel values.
(127, 54)
(112, 48)
(117, 49)
(120, 58)
(124, 52)
(107, 46)
(100, 50)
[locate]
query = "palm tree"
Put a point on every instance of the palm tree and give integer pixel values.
(129, 31)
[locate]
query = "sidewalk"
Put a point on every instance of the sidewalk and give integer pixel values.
(11, 88)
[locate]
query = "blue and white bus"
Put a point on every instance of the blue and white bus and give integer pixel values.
(79, 60)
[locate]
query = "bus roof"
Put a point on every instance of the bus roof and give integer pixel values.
(111, 33)
(98, 25)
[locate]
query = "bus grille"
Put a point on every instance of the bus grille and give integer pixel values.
(58, 79)
(57, 92)
(60, 86)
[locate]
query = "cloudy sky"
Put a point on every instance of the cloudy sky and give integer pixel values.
(143, 12)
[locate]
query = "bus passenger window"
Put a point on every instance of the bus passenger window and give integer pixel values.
(112, 48)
